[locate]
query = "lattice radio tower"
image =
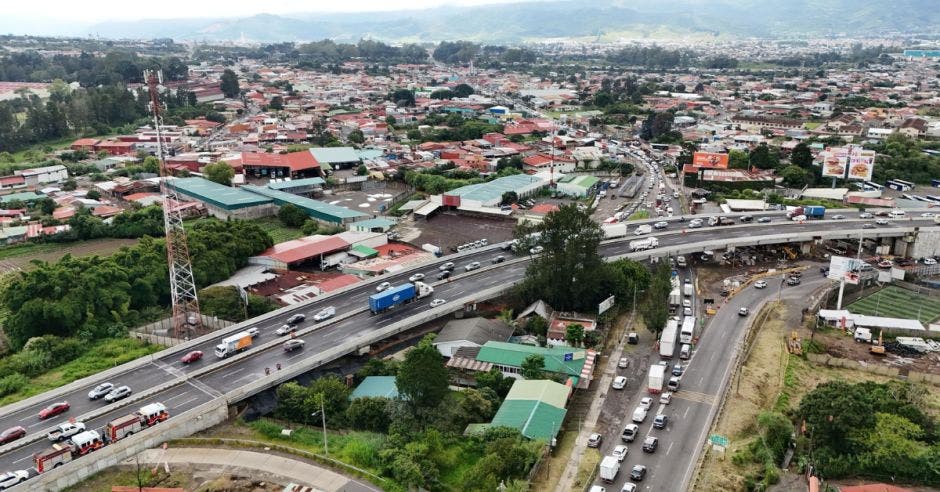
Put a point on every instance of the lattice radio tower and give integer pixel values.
(186, 315)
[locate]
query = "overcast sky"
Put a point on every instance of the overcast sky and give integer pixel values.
(102, 10)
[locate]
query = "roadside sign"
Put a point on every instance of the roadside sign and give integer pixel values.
(718, 440)
(605, 305)
(569, 356)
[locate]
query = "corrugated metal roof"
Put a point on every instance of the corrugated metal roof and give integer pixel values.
(494, 189)
(534, 419)
(315, 208)
(512, 354)
(217, 194)
(335, 155)
(294, 183)
(376, 386)
(543, 390)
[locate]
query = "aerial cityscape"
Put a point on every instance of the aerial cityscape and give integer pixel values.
(481, 245)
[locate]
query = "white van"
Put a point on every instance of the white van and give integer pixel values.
(680, 261)
(686, 351)
(643, 229)
(897, 214)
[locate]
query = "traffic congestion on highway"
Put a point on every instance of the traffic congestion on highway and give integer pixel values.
(191, 374)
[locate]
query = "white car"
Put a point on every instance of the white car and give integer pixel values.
(416, 277)
(881, 221)
(628, 487)
(382, 286)
(117, 394)
(865, 215)
(695, 223)
(799, 218)
(639, 415)
(10, 479)
(661, 225)
(623, 362)
(837, 217)
(619, 383)
(437, 302)
(324, 313)
(284, 330)
(472, 266)
(760, 284)
(928, 215)
(646, 402)
(253, 331)
(100, 390)
(619, 452)
(665, 398)
(536, 250)
(930, 261)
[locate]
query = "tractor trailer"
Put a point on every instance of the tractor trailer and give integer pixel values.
(400, 294)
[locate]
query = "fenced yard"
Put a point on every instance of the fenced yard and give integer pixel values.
(894, 302)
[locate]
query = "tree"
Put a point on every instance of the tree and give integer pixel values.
(655, 312)
(277, 102)
(737, 159)
(368, 414)
(510, 197)
(801, 156)
(762, 158)
(229, 84)
(356, 137)
(795, 176)
(46, 205)
(422, 378)
(220, 172)
(69, 185)
(291, 215)
(402, 97)
(222, 301)
(574, 334)
(569, 275)
(362, 170)
(152, 165)
(310, 227)
(443, 94)
(463, 90)
(494, 380)
(532, 366)
(93, 195)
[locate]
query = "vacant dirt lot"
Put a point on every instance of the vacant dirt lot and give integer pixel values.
(448, 230)
(52, 252)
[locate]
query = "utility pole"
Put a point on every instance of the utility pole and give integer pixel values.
(322, 412)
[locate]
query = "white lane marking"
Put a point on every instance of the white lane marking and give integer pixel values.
(668, 449)
(24, 458)
(686, 414)
(177, 396)
(187, 401)
(232, 373)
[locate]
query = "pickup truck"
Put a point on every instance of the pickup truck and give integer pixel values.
(65, 431)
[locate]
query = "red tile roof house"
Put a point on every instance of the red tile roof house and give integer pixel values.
(86, 144)
(295, 164)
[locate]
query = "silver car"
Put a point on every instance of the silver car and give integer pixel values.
(100, 390)
(117, 394)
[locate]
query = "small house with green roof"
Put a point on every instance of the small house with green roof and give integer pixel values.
(376, 387)
(535, 407)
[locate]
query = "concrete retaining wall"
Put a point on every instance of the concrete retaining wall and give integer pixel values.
(182, 425)
(827, 360)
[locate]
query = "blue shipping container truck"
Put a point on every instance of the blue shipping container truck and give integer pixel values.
(391, 296)
(814, 211)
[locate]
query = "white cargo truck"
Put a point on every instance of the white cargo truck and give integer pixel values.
(656, 377)
(610, 467)
(644, 244)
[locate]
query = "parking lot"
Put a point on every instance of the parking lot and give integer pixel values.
(447, 230)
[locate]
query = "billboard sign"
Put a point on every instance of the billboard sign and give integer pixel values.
(605, 305)
(861, 164)
(834, 165)
(710, 160)
(844, 269)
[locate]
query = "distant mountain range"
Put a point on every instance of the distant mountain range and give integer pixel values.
(595, 19)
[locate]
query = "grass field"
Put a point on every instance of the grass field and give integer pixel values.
(894, 302)
(102, 355)
(278, 231)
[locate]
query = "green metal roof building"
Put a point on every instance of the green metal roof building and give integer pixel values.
(508, 357)
(336, 157)
(376, 387)
(316, 209)
(577, 185)
(224, 201)
(491, 193)
(23, 196)
(536, 408)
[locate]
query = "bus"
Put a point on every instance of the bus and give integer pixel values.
(688, 330)
(933, 199)
(667, 341)
(872, 186)
(899, 185)
(657, 146)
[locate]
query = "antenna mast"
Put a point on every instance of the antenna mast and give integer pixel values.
(186, 316)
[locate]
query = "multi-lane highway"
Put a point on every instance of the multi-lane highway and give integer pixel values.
(690, 412)
(225, 376)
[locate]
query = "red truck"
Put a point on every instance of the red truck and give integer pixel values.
(147, 416)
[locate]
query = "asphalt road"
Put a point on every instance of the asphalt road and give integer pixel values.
(670, 466)
(230, 376)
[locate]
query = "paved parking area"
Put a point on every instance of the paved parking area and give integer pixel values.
(447, 230)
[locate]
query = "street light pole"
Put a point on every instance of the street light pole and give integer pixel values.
(322, 412)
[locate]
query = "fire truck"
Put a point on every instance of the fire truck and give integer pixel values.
(147, 416)
(59, 454)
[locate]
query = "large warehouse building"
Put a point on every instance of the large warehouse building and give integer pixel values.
(224, 201)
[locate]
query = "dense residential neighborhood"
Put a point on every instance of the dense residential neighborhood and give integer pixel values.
(592, 263)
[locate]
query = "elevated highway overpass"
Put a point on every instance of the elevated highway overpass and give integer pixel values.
(198, 395)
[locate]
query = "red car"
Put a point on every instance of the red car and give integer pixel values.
(191, 357)
(12, 434)
(54, 409)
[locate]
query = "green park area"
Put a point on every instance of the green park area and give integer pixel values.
(895, 302)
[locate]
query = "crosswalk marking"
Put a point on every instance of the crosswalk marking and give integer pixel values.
(696, 397)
